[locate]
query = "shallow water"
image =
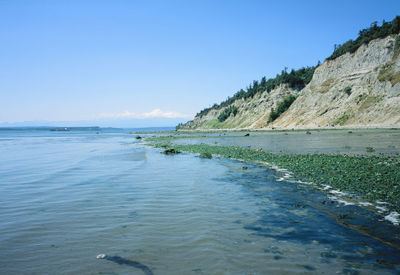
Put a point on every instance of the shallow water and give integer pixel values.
(68, 196)
(384, 141)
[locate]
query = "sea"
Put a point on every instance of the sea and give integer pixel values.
(100, 201)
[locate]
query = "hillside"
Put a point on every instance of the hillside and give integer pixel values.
(357, 86)
(354, 89)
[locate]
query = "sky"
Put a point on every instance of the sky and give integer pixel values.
(136, 63)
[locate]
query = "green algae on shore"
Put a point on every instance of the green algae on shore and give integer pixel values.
(371, 177)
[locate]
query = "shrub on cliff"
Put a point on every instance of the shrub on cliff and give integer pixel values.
(227, 112)
(367, 35)
(282, 107)
(296, 79)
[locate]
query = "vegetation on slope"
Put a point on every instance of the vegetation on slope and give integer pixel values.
(367, 35)
(179, 126)
(227, 112)
(282, 107)
(296, 79)
(388, 72)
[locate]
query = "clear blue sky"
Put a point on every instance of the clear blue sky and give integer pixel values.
(81, 60)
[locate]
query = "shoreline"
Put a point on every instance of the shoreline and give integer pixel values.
(375, 179)
(305, 128)
(270, 130)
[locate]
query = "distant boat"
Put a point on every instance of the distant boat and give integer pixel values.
(60, 130)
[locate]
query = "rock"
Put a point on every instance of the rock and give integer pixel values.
(370, 149)
(171, 151)
(122, 261)
(205, 155)
(343, 216)
(246, 135)
(138, 137)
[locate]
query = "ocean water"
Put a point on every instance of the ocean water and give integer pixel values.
(66, 197)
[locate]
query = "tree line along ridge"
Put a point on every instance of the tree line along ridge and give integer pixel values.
(298, 79)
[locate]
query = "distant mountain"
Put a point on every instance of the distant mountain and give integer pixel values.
(119, 123)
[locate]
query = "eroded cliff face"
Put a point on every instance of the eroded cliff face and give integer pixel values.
(359, 89)
(252, 113)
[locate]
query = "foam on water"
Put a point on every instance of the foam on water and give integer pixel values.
(365, 203)
(342, 198)
(381, 209)
(393, 217)
(344, 202)
(326, 187)
(337, 192)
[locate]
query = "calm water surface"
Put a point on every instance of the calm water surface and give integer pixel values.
(382, 141)
(66, 197)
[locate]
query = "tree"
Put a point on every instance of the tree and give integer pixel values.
(366, 35)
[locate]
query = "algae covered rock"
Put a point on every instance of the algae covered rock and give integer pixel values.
(205, 155)
(171, 151)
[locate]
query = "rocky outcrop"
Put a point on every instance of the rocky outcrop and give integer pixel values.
(358, 89)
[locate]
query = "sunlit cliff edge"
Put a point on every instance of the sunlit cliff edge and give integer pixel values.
(358, 89)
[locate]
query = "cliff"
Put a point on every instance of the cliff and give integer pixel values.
(359, 89)
(354, 89)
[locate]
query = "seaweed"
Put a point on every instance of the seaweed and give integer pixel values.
(372, 177)
(171, 151)
(206, 155)
(122, 261)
